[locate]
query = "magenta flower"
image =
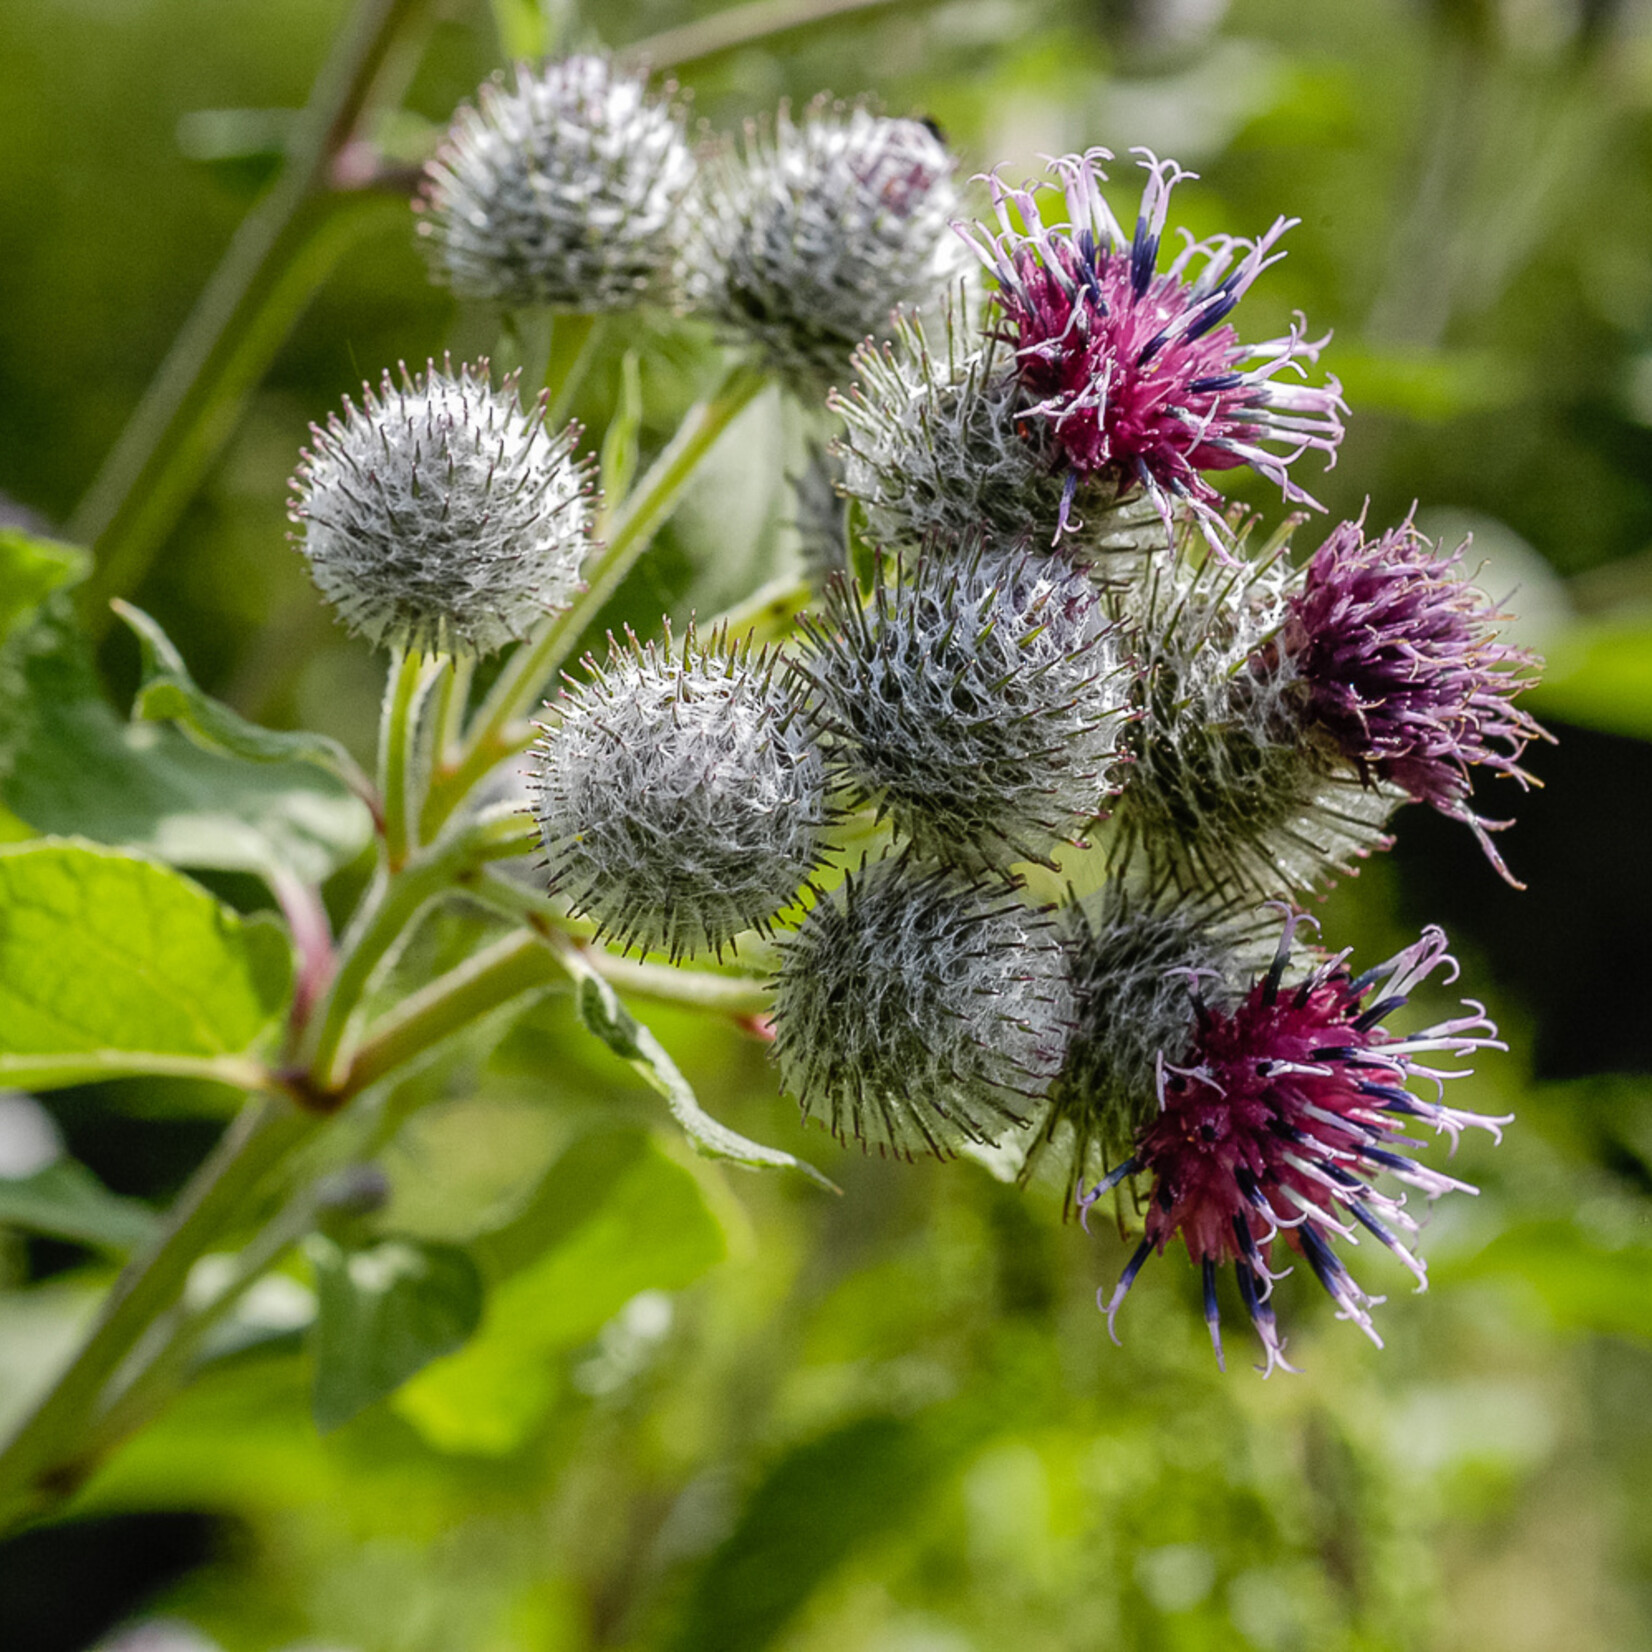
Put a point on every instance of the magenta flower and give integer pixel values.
(1403, 669)
(1291, 1103)
(1138, 373)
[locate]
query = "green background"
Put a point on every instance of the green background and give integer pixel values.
(723, 1411)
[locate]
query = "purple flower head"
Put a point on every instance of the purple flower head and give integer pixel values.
(1402, 667)
(1292, 1101)
(1138, 373)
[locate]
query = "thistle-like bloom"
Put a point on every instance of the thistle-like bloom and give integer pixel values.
(979, 701)
(915, 1011)
(1400, 664)
(823, 230)
(566, 190)
(1289, 1104)
(1230, 793)
(1133, 964)
(1138, 374)
(940, 448)
(678, 797)
(439, 516)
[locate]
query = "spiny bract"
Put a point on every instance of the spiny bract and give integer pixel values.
(1229, 794)
(943, 448)
(677, 795)
(438, 516)
(566, 190)
(821, 231)
(915, 1011)
(978, 701)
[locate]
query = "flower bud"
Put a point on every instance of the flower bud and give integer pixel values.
(980, 702)
(1229, 795)
(941, 447)
(566, 190)
(1399, 664)
(915, 1011)
(678, 796)
(822, 231)
(438, 516)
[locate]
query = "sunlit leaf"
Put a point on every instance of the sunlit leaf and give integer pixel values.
(1599, 676)
(76, 768)
(30, 570)
(110, 964)
(168, 693)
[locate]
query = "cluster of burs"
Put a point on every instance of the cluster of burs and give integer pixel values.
(1039, 639)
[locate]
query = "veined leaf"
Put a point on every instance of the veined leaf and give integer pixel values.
(112, 965)
(75, 769)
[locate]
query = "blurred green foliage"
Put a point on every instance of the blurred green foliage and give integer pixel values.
(711, 1410)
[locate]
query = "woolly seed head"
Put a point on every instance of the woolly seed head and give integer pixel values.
(980, 702)
(566, 190)
(1291, 1103)
(821, 231)
(918, 1010)
(1229, 795)
(1137, 373)
(941, 446)
(1398, 662)
(439, 516)
(677, 795)
(1134, 966)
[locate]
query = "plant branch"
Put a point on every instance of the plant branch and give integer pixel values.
(740, 26)
(279, 255)
(46, 1458)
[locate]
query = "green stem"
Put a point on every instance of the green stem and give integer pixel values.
(384, 917)
(395, 756)
(739, 26)
(499, 729)
(46, 1458)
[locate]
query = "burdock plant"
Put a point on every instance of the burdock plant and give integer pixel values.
(977, 828)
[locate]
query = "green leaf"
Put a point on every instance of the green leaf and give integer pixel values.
(75, 769)
(635, 1221)
(603, 1014)
(382, 1314)
(30, 570)
(1599, 676)
(66, 1201)
(169, 694)
(826, 1500)
(111, 965)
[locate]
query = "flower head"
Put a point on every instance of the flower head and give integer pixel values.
(979, 701)
(678, 797)
(823, 230)
(1138, 374)
(1272, 1132)
(1133, 964)
(565, 190)
(917, 1010)
(939, 448)
(439, 516)
(1229, 793)
(1400, 664)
